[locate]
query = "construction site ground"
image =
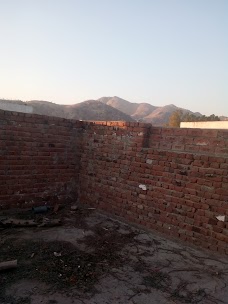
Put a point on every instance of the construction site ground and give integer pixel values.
(92, 258)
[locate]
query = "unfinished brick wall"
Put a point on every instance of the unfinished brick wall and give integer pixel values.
(171, 180)
(39, 159)
(108, 159)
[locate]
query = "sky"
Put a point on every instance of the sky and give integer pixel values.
(156, 51)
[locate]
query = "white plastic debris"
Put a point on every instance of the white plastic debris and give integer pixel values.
(221, 218)
(143, 187)
(57, 254)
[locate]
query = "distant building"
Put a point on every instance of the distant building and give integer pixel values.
(205, 124)
(15, 107)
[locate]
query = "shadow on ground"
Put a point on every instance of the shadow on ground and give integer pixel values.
(93, 259)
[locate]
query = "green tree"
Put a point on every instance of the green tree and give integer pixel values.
(191, 117)
(175, 119)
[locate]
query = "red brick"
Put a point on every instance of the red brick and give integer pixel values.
(109, 169)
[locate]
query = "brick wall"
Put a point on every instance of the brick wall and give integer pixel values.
(171, 180)
(39, 159)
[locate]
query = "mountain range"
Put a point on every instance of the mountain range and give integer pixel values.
(105, 108)
(144, 111)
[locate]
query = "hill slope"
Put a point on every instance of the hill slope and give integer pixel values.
(87, 110)
(95, 110)
(47, 108)
(137, 110)
(145, 112)
(161, 115)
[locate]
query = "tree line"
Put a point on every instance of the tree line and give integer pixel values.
(178, 116)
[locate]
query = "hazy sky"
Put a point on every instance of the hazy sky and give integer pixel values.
(156, 51)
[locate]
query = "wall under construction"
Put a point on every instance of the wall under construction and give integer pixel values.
(171, 180)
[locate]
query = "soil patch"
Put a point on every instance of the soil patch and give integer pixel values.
(62, 265)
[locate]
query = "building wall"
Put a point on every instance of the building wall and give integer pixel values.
(10, 106)
(205, 124)
(39, 159)
(174, 181)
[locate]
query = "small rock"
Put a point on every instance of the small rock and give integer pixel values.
(143, 187)
(149, 161)
(57, 254)
(74, 208)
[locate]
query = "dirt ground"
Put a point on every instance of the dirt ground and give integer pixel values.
(93, 259)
